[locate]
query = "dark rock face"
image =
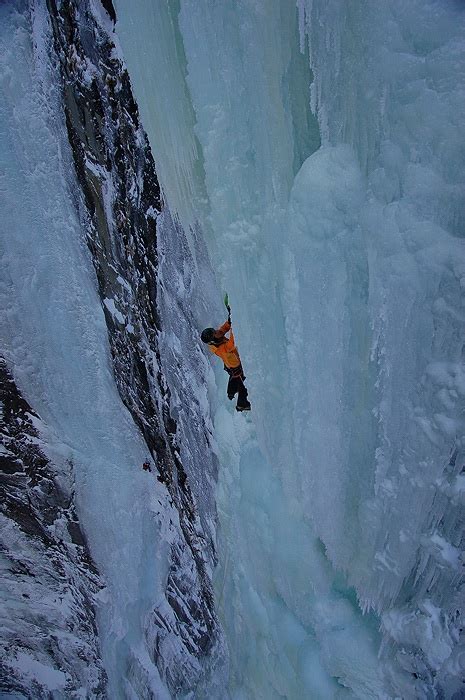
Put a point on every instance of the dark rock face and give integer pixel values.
(49, 580)
(50, 643)
(121, 198)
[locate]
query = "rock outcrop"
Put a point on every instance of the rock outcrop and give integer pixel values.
(118, 200)
(49, 582)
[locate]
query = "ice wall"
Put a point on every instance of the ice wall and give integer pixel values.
(389, 83)
(337, 232)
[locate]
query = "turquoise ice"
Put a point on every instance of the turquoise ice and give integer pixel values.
(319, 149)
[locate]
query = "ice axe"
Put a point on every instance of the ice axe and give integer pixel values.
(226, 303)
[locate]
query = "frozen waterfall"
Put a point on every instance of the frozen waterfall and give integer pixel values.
(311, 159)
(319, 150)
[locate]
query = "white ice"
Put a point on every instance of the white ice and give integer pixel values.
(346, 268)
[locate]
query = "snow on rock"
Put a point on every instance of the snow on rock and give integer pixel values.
(50, 584)
(85, 335)
(122, 196)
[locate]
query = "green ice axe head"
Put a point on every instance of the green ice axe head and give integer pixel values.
(226, 303)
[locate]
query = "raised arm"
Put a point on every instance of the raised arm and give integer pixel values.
(224, 328)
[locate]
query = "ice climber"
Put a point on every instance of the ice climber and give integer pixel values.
(226, 349)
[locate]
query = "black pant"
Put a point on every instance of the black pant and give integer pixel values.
(236, 386)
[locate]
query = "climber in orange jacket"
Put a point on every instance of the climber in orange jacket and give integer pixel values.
(226, 349)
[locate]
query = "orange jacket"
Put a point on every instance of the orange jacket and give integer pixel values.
(227, 351)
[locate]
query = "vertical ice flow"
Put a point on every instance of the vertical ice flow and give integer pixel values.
(346, 268)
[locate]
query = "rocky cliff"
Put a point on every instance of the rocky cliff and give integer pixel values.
(49, 581)
(119, 204)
